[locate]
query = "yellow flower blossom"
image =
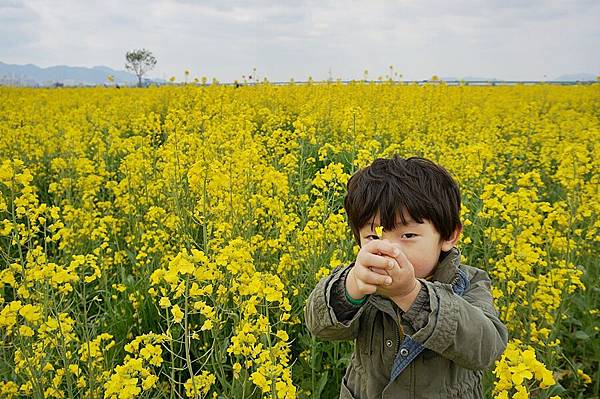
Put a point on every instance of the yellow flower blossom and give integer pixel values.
(198, 386)
(26, 331)
(177, 313)
(164, 302)
(586, 378)
(31, 313)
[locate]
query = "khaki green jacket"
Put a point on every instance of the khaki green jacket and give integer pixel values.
(461, 337)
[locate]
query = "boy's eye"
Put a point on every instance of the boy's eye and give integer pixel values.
(408, 235)
(373, 237)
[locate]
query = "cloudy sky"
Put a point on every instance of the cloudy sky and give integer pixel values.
(506, 39)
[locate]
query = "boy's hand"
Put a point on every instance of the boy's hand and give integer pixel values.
(405, 287)
(369, 271)
(376, 263)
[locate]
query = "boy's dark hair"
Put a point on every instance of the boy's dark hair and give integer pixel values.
(416, 185)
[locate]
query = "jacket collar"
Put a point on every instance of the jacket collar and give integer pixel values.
(447, 270)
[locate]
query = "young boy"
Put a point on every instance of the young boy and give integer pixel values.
(425, 325)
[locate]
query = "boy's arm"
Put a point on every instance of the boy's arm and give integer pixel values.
(344, 309)
(325, 306)
(465, 329)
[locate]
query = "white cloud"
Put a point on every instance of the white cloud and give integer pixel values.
(508, 39)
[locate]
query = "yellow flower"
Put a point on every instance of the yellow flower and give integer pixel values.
(177, 313)
(199, 385)
(521, 393)
(207, 325)
(149, 382)
(237, 368)
(26, 331)
(164, 302)
(586, 378)
(282, 335)
(260, 381)
(31, 313)
(74, 369)
(520, 372)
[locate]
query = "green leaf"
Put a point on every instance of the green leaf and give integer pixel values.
(556, 389)
(321, 384)
(581, 335)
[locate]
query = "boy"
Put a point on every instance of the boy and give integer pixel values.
(425, 325)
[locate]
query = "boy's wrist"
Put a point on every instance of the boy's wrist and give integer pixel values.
(356, 302)
(406, 300)
(352, 294)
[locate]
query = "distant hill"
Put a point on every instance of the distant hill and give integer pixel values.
(32, 75)
(581, 77)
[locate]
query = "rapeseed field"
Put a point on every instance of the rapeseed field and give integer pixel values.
(161, 242)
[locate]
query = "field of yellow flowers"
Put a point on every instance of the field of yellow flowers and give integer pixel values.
(161, 242)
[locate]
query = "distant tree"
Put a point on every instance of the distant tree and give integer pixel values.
(139, 62)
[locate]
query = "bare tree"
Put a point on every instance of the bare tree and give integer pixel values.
(140, 62)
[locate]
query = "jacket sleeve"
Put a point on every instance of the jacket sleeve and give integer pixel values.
(344, 310)
(417, 316)
(465, 329)
(321, 319)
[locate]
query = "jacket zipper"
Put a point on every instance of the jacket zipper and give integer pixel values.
(400, 334)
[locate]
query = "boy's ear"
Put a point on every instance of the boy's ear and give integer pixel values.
(447, 245)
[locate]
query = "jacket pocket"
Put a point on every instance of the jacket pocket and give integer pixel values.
(351, 380)
(345, 392)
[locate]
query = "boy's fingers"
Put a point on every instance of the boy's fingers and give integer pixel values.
(366, 288)
(402, 265)
(377, 270)
(370, 277)
(401, 258)
(377, 261)
(383, 247)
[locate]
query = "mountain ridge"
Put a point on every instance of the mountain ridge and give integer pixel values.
(33, 75)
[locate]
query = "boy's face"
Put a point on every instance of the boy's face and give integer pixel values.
(421, 242)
